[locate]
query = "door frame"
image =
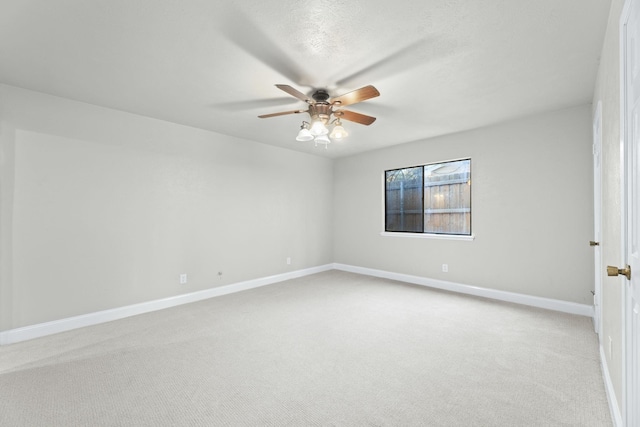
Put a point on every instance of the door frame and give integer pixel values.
(597, 219)
(629, 400)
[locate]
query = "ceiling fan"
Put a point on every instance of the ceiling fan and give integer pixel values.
(322, 107)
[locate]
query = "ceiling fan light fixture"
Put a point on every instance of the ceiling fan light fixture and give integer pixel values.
(338, 131)
(318, 128)
(304, 134)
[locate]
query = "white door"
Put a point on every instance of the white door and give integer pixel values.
(631, 196)
(597, 218)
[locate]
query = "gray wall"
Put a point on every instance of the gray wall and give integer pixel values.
(101, 209)
(607, 91)
(532, 213)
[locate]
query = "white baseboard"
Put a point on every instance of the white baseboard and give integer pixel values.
(42, 329)
(547, 303)
(616, 416)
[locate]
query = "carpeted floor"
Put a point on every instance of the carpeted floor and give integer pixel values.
(334, 349)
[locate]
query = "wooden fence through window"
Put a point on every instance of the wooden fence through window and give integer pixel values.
(446, 210)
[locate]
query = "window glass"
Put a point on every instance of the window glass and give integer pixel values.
(403, 200)
(447, 198)
(434, 198)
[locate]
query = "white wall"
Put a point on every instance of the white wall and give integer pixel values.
(532, 211)
(101, 209)
(607, 91)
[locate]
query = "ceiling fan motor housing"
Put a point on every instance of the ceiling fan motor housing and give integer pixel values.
(320, 111)
(320, 95)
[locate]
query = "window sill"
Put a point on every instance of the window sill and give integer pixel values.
(427, 236)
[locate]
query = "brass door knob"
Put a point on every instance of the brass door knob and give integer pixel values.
(614, 271)
(592, 243)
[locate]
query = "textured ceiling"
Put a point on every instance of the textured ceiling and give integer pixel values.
(441, 66)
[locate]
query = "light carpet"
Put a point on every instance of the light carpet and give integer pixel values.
(331, 349)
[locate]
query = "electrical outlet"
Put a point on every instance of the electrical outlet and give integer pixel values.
(445, 268)
(288, 260)
(183, 279)
(220, 275)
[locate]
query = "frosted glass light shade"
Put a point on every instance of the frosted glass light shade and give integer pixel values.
(338, 132)
(304, 135)
(323, 139)
(318, 128)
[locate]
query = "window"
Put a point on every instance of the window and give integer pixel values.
(434, 198)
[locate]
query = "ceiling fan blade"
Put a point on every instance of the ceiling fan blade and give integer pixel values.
(253, 104)
(355, 117)
(416, 54)
(295, 93)
(246, 33)
(265, 116)
(357, 95)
